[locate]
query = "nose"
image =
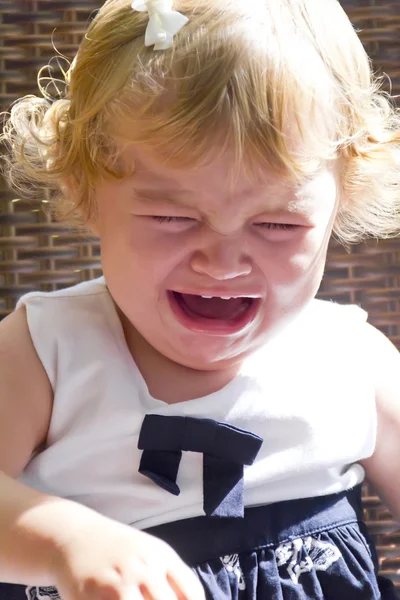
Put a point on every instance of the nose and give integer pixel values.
(221, 258)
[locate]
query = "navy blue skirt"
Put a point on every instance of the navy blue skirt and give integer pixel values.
(308, 549)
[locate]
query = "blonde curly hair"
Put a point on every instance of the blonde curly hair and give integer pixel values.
(253, 75)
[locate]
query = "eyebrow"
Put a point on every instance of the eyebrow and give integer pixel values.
(169, 195)
(294, 207)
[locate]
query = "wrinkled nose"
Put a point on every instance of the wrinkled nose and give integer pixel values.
(222, 259)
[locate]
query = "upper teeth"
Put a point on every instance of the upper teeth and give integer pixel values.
(222, 297)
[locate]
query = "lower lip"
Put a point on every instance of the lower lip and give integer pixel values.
(214, 326)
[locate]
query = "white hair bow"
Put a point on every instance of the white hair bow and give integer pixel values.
(164, 22)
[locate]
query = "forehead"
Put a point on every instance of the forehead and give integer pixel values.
(216, 184)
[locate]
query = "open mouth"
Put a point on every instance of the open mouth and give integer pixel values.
(214, 313)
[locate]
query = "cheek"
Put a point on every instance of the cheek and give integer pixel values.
(300, 261)
(136, 240)
(149, 257)
(142, 238)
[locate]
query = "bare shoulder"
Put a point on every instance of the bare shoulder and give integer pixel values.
(385, 365)
(383, 467)
(26, 395)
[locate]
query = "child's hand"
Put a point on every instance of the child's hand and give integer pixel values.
(104, 560)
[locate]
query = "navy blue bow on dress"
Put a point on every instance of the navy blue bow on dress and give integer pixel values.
(226, 449)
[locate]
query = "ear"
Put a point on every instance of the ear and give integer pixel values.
(68, 185)
(93, 229)
(69, 188)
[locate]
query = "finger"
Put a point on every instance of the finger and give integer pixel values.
(186, 584)
(157, 589)
(133, 593)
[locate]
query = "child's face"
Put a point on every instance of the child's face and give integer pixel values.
(170, 236)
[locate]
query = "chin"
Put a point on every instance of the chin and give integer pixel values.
(203, 356)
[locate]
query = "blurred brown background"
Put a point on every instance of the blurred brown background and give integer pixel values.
(36, 253)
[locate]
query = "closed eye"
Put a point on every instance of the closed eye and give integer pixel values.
(171, 219)
(281, 226)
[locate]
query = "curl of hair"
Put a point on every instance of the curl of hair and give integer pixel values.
(256, 79)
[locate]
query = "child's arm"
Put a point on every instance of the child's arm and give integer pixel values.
(25, 409)
(26, 396)
(383, 468)
(31, 525)
(46, 540)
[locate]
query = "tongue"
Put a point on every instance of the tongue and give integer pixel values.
(213, 308)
